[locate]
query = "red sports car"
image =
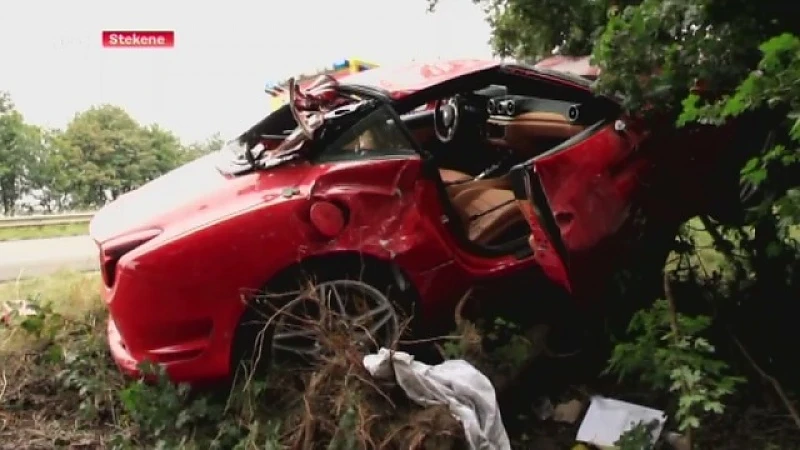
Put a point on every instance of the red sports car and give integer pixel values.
(408, 184)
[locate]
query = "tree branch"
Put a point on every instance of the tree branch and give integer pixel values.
(774, 382)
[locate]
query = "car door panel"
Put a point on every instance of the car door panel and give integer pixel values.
(577, 198)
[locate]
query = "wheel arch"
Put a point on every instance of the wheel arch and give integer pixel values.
(341, 261)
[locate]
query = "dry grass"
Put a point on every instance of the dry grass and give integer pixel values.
(37, 409)
(341, 404)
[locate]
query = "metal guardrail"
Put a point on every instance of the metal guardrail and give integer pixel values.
(45, 219)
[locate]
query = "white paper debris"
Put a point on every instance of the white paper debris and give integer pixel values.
(464, 389)
(19, 308)
(608, 419)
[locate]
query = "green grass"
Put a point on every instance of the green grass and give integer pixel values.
(71, 292)
(43, 231)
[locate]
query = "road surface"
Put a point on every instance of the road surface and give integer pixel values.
(36, 257)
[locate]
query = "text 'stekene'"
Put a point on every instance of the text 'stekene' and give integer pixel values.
(138, 39)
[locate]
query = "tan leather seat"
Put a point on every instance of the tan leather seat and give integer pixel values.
(471, 199)
(451, 176)
(486, 207)
(487, 213)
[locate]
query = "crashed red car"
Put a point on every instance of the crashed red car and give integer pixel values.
(515, 172)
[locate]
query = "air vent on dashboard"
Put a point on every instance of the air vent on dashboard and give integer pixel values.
(491, 107)
(507, 107)
(573, 113)
(513, 105)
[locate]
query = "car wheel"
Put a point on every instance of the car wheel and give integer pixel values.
(297, 316)
(308, 325)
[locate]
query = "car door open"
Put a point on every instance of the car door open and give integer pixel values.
(577, 197)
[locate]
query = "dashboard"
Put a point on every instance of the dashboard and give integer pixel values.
(528, 125)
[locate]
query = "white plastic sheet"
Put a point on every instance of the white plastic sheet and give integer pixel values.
(467, 392)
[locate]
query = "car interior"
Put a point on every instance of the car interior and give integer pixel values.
(476, 136)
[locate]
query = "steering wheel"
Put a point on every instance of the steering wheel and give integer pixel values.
(446, 115)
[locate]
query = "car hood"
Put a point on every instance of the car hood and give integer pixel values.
(143, 207)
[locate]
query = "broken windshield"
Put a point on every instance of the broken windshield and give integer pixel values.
(374, 134)
(269, 144)
(315, 117)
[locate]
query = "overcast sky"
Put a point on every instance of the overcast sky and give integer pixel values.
(53, 63)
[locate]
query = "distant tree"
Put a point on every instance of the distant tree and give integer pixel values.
(5, 102)
(50, 176)
(106, 154)
(102, 154)
(18, 143)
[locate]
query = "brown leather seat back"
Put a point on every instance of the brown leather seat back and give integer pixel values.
(502, 182)
(452, 176)
(486, 207)
(487, 213)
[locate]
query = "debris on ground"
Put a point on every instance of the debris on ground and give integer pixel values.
(353, 400)
(607, 420)
(467, 392)
(344, 406)
(16, 308)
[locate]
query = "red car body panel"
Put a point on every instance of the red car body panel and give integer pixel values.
(180, 254)
(593, 182)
